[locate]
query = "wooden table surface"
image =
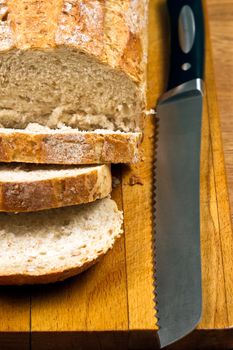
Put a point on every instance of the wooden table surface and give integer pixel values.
(221, 25)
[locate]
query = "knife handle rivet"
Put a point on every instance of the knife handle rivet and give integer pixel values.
(186, 66)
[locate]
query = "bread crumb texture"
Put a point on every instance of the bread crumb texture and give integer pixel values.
(54, 244)
(76, 63)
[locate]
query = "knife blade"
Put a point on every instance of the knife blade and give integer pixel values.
(177, 177)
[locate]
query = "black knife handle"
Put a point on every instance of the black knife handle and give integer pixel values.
(187, 41)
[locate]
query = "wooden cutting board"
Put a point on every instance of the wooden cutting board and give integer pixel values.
(111, 306)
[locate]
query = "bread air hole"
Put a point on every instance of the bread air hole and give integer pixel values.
(66, 222)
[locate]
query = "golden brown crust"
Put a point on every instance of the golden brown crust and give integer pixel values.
(69, 147)
(113, 32)
(34, 22)
(6, 33)
(81, 24)
(56, 192)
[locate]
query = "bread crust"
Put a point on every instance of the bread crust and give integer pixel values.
(73, 147)
(56, 192)
(115, 33)
(51, 277)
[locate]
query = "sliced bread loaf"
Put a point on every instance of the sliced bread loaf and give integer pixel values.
(52, 245)
(27, 188)
(72, 64)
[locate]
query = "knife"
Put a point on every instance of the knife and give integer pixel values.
(177, 177)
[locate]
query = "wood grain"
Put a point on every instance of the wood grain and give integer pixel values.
(214, 301)
(225, 227)
(221, 25)
(14, 317)
(14, 309)
(94, 301)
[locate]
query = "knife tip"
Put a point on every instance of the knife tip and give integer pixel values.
(167, 337)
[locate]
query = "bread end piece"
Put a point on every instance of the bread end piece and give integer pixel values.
(29, 187)
(69, 147)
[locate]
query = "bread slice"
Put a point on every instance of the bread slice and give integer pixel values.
(25, 188)
(72, 64)
(49, 246)
(38, 144)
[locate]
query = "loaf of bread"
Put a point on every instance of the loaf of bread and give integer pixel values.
(25, 188)
(72, 64)
(72, 91)
(49, 246)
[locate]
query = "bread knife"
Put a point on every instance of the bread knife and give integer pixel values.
(177, 177)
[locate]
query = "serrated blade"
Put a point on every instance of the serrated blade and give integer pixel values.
(177, 212)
